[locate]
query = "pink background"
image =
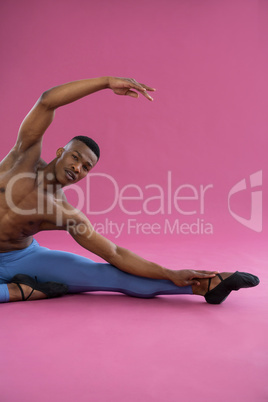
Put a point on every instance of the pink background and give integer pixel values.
(208, 61)
(207, 125)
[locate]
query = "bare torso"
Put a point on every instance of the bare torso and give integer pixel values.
(23, 203)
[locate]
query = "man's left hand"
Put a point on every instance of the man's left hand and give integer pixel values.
(186, 277)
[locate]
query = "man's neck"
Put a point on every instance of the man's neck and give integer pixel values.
(46, 179)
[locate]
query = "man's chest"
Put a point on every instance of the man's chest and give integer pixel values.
(25, 207)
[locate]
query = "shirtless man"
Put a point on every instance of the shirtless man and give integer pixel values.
(32, 200)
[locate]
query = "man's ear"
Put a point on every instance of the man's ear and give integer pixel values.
(59, 152)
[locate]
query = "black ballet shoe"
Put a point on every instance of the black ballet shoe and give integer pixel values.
(51, 289)
(235, 281)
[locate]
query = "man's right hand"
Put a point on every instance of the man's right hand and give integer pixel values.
(40, 117)
(125, 86)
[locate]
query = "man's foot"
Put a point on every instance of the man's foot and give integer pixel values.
(30, 289)
(16, 295)
(215, 290)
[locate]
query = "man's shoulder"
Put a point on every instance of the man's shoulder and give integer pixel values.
(9, 160)
(15, 159)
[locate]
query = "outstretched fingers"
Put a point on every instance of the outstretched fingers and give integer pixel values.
(142, 88)
(129, 87)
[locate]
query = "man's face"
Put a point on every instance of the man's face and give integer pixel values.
(74, 161)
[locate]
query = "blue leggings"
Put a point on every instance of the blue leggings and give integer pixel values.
(79, 273)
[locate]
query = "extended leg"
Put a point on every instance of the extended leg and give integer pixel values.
(83, 275)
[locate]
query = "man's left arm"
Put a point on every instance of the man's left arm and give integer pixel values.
(84, 234)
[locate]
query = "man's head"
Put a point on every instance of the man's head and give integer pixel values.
(76, 159)
(89, 142)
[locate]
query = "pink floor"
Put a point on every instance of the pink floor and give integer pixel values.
(110, 347)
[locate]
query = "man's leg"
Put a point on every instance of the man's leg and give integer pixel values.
(83, 275)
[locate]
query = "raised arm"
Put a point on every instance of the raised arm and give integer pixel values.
(40, 117)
